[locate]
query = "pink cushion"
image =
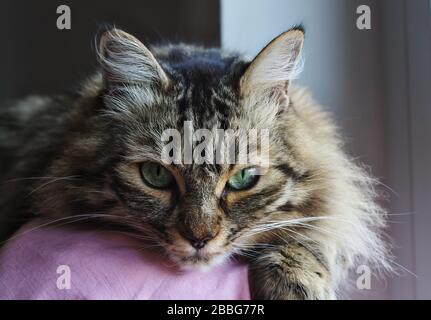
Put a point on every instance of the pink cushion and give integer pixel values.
(105, 265)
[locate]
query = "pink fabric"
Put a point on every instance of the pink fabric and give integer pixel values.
(104, 265)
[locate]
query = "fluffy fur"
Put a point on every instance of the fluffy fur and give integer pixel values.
(310, 218)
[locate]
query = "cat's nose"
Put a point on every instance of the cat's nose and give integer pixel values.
(198, 242)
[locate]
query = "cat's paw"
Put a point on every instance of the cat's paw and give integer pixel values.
(290, 274)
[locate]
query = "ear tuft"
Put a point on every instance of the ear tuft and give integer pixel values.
(298, 27)
(126, 60)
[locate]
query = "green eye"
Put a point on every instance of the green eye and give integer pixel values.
(243, 179)
(156, 175)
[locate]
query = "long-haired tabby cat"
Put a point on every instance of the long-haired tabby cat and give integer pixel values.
(302, 225)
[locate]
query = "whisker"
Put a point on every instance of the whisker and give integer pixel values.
(50, 182)
(76, 218)
(33, 178)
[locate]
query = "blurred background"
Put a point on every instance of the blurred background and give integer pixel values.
(376, 82)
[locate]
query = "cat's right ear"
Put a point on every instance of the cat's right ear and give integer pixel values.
(125, 60)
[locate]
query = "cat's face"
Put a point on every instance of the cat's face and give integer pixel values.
(199, 213)
(202, 213)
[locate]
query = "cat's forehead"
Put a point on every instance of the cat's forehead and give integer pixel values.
(206, 84)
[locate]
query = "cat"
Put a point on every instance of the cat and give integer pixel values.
(302, 225)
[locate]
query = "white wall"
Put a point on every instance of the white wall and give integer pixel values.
(418, 15)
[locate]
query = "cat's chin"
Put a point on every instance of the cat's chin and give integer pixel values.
(199, 263)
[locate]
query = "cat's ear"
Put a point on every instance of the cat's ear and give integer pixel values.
(269, 74)
(125, 59)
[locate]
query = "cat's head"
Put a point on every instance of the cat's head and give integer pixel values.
(202, 212)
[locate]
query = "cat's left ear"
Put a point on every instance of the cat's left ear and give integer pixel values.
(268, 76)
(127, 60)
